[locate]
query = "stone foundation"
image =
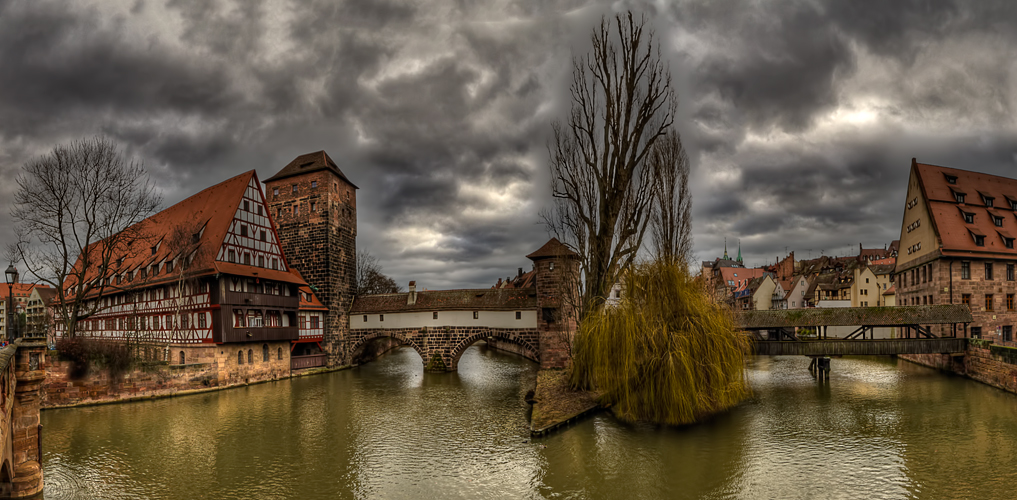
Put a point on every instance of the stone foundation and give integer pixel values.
(206, 366)
(985, 362)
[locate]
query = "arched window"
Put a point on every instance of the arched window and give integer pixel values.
(250, 356)
(240, 357)
(264, 353)
(181, 357)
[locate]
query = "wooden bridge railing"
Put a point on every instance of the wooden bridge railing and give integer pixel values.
(860, 347)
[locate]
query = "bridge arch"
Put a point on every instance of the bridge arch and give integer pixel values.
(363, 341)
(527, 348)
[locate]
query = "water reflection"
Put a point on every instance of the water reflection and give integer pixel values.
(876, 429)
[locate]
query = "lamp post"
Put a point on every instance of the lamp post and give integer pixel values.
(12, 277)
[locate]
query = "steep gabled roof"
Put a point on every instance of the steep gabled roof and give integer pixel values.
(553, 248)
(956, 234)
(310, 162)
(197, 226)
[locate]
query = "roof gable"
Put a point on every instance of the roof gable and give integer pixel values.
(553, 248)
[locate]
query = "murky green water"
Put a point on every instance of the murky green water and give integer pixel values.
(878, 429)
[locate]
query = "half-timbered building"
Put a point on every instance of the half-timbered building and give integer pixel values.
(206, 281)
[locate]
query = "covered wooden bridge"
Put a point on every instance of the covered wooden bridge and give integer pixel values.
(775, 330)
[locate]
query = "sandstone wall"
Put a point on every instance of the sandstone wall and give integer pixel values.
(206, 367)
(991, 364)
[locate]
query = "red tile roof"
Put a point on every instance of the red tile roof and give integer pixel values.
(496, 299)
(209, 214)
(947, 214)
(20, 290)
(310, 162)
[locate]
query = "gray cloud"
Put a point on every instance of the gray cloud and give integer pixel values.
(801, 117)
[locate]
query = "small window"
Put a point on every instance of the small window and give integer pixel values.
(519, 315)
(979, 240)
(476, 314)
(550, 266)
(969, 218)
(951, 179)
(314, 206)
(250, 356)
(182, 357)
(987, 200)
(988, 270)
(959, 197)
(261, 261)
(1007, 333)
(202, 320)
(279, 354)
(260, 212)
(314, 184)
(976, 332)
(232, 256)
(966, 299)
(275, 191)
(1009, 302)
(243, 230)
(365, 318)
(866, 280)
(381, 317)
(988, 302)
(247, 206)
(998, 221)
(296, 209)
(965, 270)
(1007, 242)
(434, 315)
(247, 258)
(262, 235)
(1009, 272)
(264, 352)
(240, 357)
(314, 321)
(294, 188)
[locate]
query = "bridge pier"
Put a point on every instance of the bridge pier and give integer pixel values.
(30, 372)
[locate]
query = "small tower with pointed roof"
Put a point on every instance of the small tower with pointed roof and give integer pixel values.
(314, 206)
(557, 268)
(739, 259)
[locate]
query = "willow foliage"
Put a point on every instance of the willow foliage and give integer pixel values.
(666, 354)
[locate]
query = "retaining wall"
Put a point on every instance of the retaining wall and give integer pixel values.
(988, 363)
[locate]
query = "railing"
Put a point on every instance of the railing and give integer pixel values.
(882, 347)
(261, 299)
(311, 361)
(265, 333)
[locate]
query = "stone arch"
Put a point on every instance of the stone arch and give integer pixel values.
(401, 336)
(7, 470)
(529, 351)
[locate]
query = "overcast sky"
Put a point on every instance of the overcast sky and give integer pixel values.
(801, 118)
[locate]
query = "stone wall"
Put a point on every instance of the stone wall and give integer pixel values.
(440, 348)
(988, 363)
(206, 367)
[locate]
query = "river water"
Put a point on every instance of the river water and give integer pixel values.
(878, 429)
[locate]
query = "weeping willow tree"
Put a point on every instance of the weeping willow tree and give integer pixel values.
(665, 354)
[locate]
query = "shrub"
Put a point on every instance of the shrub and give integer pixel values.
(665, 354)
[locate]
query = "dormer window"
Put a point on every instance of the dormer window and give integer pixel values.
(998, 221)
(969, 218)
(1007, 242)
(959, 197)
(987, 200)
(979, 240)
(951, 179)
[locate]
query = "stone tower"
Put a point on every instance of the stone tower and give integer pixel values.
(557, 273)
(314, 207)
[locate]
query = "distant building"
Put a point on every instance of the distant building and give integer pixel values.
(957, 247)
(22, 294)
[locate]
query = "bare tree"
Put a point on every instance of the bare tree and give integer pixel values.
(75, 211)
(370, 280)
(672, 207)
(622, 102)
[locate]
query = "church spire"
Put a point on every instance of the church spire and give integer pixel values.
(740, 252)
(725, 250)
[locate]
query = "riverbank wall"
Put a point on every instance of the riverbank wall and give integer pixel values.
(983, 361)
(209, 367)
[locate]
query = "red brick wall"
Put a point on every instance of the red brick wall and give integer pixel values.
(977, 286)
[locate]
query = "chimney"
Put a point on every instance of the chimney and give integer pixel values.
(519, 272)
(412, 297)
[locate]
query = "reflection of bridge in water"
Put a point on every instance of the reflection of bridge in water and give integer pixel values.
(781, 326)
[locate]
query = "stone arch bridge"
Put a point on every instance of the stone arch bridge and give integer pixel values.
(441, 347)
(22, 372)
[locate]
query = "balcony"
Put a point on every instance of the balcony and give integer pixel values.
(261, 300)
(259, 334)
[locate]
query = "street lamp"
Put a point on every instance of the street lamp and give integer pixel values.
(12, 277)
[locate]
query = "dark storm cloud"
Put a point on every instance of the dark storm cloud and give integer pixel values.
(800, 117)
